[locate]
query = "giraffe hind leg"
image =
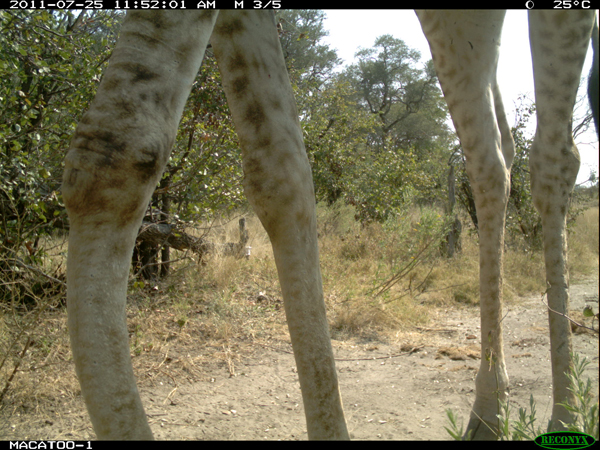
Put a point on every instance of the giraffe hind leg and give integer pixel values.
(278, 184)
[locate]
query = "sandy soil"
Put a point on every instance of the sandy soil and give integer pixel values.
(390, 391)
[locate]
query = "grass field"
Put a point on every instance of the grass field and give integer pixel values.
(378, 280)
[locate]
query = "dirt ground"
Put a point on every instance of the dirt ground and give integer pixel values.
(390, 391)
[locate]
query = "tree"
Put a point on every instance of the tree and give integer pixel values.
(402, 158)
(332, 124)
(310, 62)
(333, 129)
(391, 86)
(522, 217)
(48, 62)
(204, 172)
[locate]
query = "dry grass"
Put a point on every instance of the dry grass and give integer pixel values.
(212, 312)
(583, 244)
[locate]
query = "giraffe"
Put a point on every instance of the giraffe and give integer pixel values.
(465, 47)
(122, 144)
(594, 82)
(115, 160)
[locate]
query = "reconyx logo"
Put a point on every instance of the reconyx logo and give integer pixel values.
(564, 439)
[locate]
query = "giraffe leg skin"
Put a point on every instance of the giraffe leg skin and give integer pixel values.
(278, 184)
(594, 82)
(465, 61)
(115, 160)
(559, 42)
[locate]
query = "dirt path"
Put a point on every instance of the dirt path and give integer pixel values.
(398, 391)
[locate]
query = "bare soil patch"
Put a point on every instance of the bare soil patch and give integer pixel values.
(391, 390)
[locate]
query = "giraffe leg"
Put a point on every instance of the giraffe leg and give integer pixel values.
(115, 160)
(278, 184)
(465, 49)
(594, 87)
(559, 42)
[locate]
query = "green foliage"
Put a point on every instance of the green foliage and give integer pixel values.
(404, 97)
(51, 65)
(300, 34)
(331, 122)
(522, 218)
(584, 412)
(525, 427)
(382, 183)
(454, 429)
(333, 129)
(49, 60)
(401, 158)
(375, 133)
(204, 173)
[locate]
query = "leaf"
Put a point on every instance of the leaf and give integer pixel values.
(588, 312)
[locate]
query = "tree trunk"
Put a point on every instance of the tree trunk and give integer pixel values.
(165, 254)
(453, 237)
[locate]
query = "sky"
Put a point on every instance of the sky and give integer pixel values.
(515, 75)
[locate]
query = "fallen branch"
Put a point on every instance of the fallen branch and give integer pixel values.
(567, 317)
(164, 234)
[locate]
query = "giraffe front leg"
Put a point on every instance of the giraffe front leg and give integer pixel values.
(278, 184)
(115, 160)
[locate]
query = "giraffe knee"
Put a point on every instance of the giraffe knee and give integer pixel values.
(490, 182)
(280, 191)
(553, 171)
(105, 188)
